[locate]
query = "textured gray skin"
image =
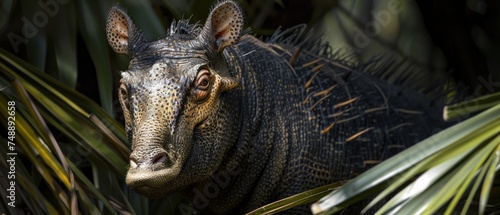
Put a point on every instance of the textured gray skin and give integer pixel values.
(264, 128)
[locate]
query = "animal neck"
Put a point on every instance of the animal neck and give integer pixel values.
(261, 150)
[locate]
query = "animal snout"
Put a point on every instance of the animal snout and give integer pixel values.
(147, 159)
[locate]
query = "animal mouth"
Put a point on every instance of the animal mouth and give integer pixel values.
(149, 180)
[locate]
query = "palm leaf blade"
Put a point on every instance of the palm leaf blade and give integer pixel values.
(484, 126)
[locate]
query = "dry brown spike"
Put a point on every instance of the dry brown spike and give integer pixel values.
(375, 109)
(325, 91)
(295, 56)
(350, 101)
(353, 137)
(318, 67)
(337, 114)
(312, 62)
(309, 82)
(348, 119)
(316, 103)
(327, 129)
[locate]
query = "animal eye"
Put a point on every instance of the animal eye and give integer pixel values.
(123, 95)
(202, 85)
(203, 80)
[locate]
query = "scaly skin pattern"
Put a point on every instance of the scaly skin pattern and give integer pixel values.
(236, 123)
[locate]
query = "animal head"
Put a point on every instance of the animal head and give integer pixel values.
(171, 96)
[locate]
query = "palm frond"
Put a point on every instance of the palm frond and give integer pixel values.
(439, 170)
(296, 200)
(56, 161)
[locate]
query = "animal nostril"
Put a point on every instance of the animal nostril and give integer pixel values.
(133, 162)
(160, 157)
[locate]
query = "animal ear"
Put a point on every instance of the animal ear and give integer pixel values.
(223, 26)
(121, 32)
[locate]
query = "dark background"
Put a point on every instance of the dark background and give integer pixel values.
(460, 38)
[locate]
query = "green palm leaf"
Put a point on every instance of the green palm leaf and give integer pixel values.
(435, 172)
(53, 160)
